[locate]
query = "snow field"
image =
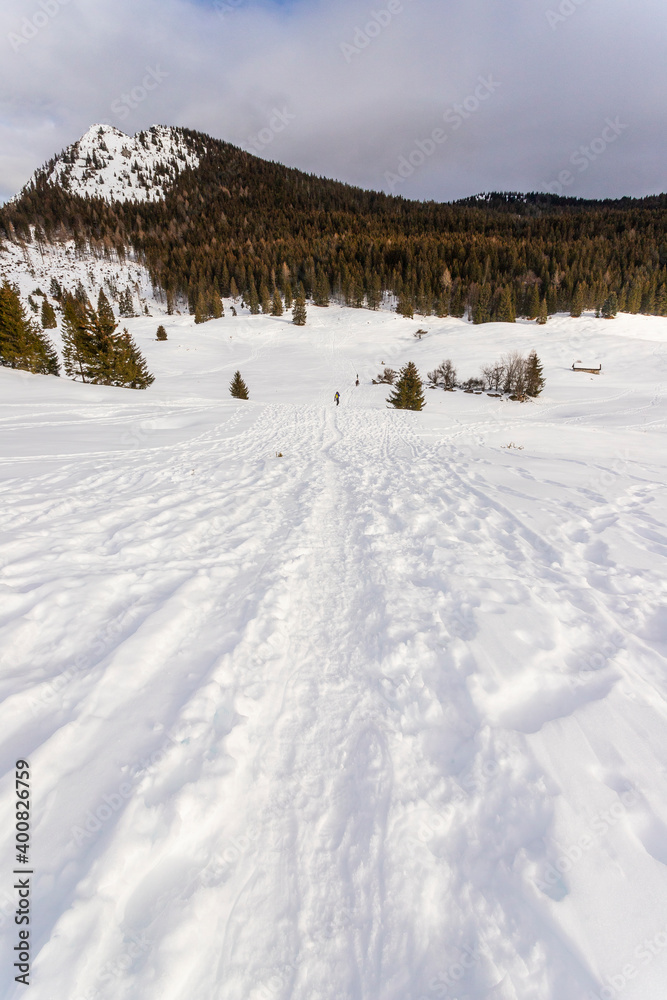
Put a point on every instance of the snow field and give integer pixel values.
(384, 717)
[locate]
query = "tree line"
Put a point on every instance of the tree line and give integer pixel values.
(239, 226)
(93, 349)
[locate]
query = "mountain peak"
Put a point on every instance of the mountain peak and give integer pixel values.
(107, 163)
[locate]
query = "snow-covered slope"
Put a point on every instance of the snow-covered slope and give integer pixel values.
(382, 718)
(106, 163)
(31, 266)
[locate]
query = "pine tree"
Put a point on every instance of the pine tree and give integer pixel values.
(253, 300)
(610, 307)
(161, 333)
(265, 299)
(374, 292)
(276, 304)
(201, 308)
(408, 392)
(48, 316)
(238, 388)
(543, 314)
(22, 344)
(457, 306)
(299, 312)
(534, 379)
(322, 291)
(405, 306)
(634, 300)
(481, 312)
(78, 344)
(130, 370)
(577, 306)
(233, 290)
(532, 306)
(126, 304)
(217, 308)
(506, 312)
(288, 295)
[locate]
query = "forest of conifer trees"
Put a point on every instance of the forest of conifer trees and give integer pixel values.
(239, 225)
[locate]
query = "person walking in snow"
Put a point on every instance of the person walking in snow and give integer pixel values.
(337, 399)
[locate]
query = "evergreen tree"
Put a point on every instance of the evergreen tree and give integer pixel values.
(129, 369)
(299, 312)
(543, 314)
(55, 289)
(506, 312)
(161, 333)
(78, 345)
(238, 388)
(288, 295)
(126, 303)
(233, 290)
(441, 307)
(48, 316)
(201, 308)
(532, 308)
(405, 306)
(577, 306)
(265, 299)
(634, 299)
(217, 308)
(276, 304)
(322, 291)
(105, 319)
(253, 299)
(408, 393)
(481, 310)
(374, 293)
(534, 378)
(22, 344)
(610, 307)
(457, 306)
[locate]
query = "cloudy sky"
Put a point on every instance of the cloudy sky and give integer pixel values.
(427, 98)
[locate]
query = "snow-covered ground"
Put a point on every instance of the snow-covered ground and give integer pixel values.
(31, 266)
(340, 703)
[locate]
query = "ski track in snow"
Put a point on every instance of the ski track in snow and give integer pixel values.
(349, 708)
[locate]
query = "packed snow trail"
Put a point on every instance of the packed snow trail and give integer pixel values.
(379, 719)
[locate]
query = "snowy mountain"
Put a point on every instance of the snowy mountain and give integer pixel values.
(106, 163)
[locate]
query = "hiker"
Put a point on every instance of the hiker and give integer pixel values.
(337, 399)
